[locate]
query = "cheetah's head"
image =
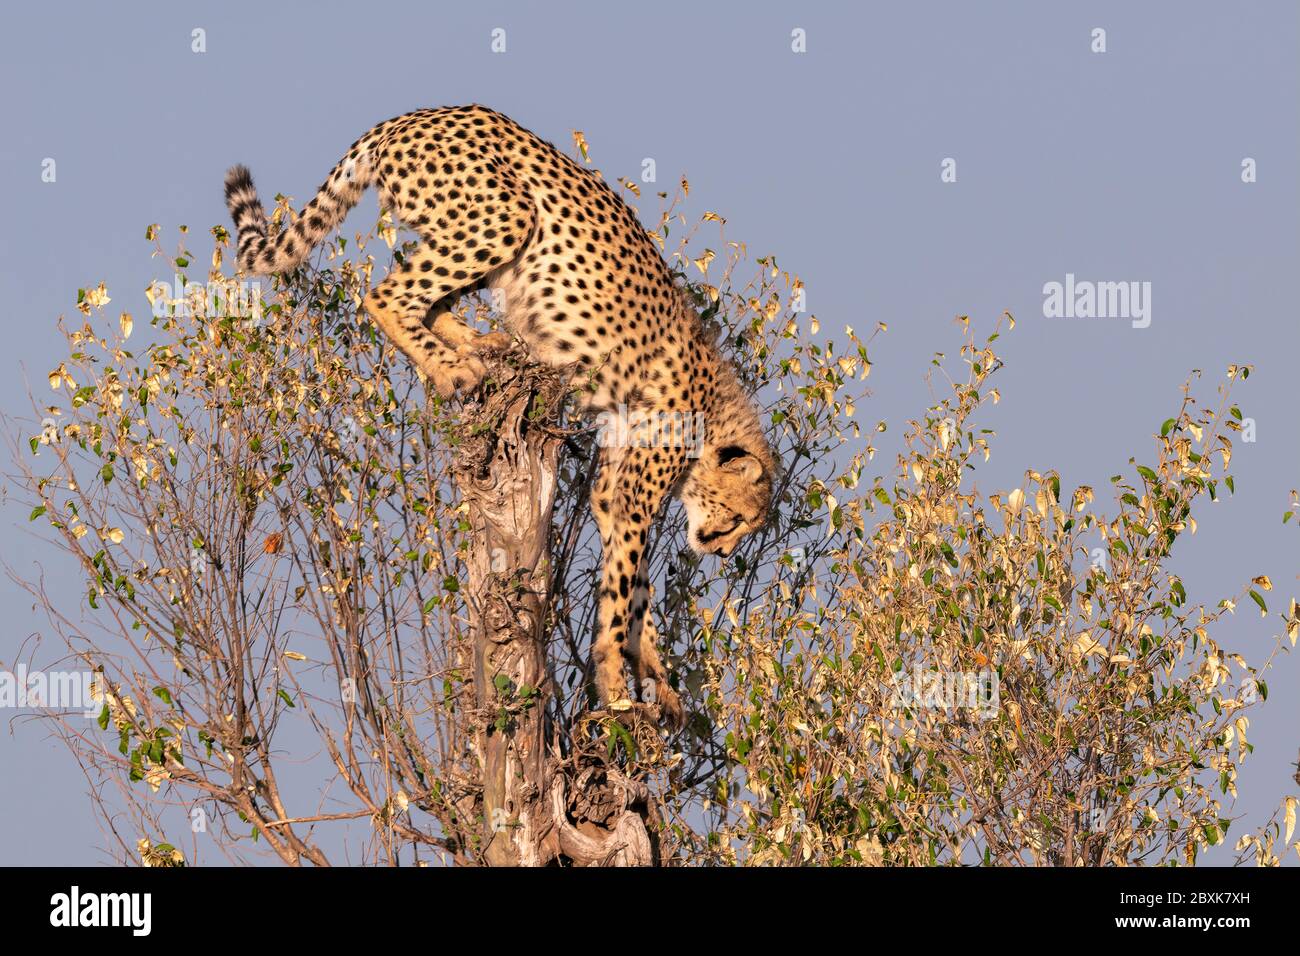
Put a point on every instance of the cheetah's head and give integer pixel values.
(727, 494)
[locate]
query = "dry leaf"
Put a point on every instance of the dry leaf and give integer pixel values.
(580, 141)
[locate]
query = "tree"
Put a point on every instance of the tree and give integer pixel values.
(336, 618)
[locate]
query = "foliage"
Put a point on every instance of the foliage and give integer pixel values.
(259, 501)
(1007, 679)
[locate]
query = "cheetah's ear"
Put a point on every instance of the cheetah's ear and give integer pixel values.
(735, 459)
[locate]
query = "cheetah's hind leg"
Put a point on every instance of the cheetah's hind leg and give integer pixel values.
(399, 314)
(445, 266)
(442, 347)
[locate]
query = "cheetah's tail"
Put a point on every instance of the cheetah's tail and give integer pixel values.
(260, 254)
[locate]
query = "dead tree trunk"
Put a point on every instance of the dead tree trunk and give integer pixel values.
(535, 786)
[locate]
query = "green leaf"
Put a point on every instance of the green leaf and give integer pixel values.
(36, 512)
(621, 735)
(284, 696)
(1259, 600)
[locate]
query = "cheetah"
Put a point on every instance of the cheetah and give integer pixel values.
(585, 288)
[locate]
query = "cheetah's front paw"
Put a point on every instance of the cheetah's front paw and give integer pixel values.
(671, 712)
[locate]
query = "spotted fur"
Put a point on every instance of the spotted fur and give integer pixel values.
(497, 207)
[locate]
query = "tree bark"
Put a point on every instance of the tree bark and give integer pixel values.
(506, 471)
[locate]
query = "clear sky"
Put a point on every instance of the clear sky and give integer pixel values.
(1117, 166)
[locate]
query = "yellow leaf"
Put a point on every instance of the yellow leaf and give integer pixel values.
(1085, 646)
(1263, 582)
(1290, 818)
(295, 656)
(387, 231)
(1016, 500)
(98, 297)
(580, 141)
(127, 324)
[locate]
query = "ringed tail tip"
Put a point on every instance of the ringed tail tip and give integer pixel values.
(238, 178)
